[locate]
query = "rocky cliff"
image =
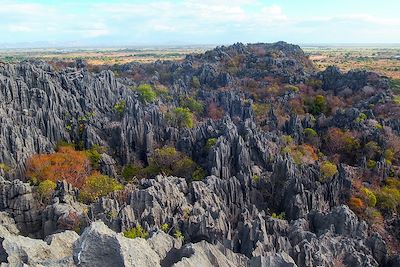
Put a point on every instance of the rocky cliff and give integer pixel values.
(257, 205)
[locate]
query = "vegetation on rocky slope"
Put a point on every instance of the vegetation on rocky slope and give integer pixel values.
(256, 133)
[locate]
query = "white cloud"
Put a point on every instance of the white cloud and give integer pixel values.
(201, 21)
(19, 28)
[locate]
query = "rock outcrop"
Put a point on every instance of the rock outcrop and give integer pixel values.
(256, 207)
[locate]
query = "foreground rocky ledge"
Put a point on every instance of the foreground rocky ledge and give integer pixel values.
(100, 246)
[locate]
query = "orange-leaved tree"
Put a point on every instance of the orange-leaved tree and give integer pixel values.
(65, 164)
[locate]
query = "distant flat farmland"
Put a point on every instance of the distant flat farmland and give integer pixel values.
(383, 60)
(102, 56)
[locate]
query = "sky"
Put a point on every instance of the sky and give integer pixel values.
(191, 22)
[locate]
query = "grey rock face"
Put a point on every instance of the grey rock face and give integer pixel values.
(205, 254)
(65, 213)
(100, 246)
(16, 250)
(18, 200)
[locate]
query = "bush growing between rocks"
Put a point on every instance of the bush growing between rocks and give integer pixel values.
(169, 161)
(291, 88)
(4, 167)
(165, 227)
(147, 93)
(210, 143)
(372, 149)
(97, 186)
(328, 170)
(65, 164)
(178, 235)
(317, 105)
(135, 232)
(94, 155)
(338, 141)
(388, 197)
(181, 117)
(371, 164)
(120, 106)
(199, 174)
(370, 197)
(45, 190)
(310, 133)
(280, 216)
(130, 171)
(192, 104)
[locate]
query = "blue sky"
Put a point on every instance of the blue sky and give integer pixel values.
(162, 22)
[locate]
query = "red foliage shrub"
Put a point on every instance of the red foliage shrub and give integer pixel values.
(66, 164)
(214, 112)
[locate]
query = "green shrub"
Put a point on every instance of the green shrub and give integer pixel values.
(178, 235)
(361, 118)
(96, 186)
(135, 232)
(386, 202)
(371, 164)
(146, 92)
(165, 227)
(192, 104)
(4, 167)
(120, 106)
(130, 171)
(395, 85)
(256, 178)
(310, 133)
(389, 154)
(371, 198)
(317, 105)
(328, 170)
(372, 149)
(291, 88)
(396, 99)
(169, 161)
(280, 216)
(199, 174)
(210, 143)
(287, 139)
(260, 109)
(94, 154)
(182, 117)
(45, 190)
